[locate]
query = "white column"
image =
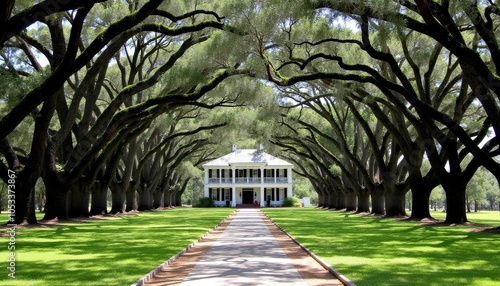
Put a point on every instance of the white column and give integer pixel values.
(275, 174)
(205, 191)
(206, 176)
(233, 203)
(233, 171)
(220, 175)
(262, 175)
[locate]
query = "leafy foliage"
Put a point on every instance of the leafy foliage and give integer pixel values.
(205, 203)
(292, 202)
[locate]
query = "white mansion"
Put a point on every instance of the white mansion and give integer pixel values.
(248, 176)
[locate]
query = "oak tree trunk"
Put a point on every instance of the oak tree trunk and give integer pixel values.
(363, 200)
(341, 200)
(99, 205)
(332, 199)
(117, 201)
(395, 203)
(144, 199)
(24, 201)
(79, 200)
(351, 200)
(158, 200)
(420, 197)
(455, 200)
(378, 200)
(321, 199)
(168, 199)
(131, 197)
(178, 199)
(57, 201)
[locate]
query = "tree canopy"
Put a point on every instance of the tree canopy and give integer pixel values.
(371, 100)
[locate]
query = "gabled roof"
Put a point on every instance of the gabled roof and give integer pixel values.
(248, 156)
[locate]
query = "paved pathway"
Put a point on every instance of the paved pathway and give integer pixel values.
(245, 254)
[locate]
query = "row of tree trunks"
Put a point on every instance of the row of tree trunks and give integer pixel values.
(382, 202)
(75, 203)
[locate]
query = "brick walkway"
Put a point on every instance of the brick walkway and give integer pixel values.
(246, 249)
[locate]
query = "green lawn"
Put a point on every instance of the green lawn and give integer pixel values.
(381, 251)
(113, 251)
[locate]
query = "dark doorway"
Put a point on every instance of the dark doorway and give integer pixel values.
(247, 197)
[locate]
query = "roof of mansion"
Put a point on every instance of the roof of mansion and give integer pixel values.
(248, 156)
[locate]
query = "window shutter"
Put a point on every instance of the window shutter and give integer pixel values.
(277, 172)
(251, 173)
(210, 173)
(223, 173)
(286, 173)
(272, 173)
(230, 173)
(210, 193)
(218, 194)
(245, 173)
(230, 194)
(277, 194)
(260, 175)
(286, 191)
(265, 194)
(272, 191)
(218, 173)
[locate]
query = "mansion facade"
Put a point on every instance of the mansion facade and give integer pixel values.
(248, 176)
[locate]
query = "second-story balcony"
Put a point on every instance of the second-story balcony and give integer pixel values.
(220, 180)
(248, 180)
(282, 180)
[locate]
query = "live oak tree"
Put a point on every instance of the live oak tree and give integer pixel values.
(445, 141)
(79, 67)
(461, 28)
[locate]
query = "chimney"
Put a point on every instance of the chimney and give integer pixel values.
(261, 147)
(234, 148)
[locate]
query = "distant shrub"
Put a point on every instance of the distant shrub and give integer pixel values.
(205, 203)
(292, 202)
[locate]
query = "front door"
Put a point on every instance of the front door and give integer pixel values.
(247, 197)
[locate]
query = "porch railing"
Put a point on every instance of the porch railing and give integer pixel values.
(247, 180)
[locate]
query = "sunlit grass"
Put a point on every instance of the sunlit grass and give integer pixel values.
(114, 251)
(381, 251)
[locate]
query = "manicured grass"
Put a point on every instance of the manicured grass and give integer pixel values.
(113, 251)
(382, 251)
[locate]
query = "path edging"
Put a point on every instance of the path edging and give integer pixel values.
(346, 281)
(157, 269)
